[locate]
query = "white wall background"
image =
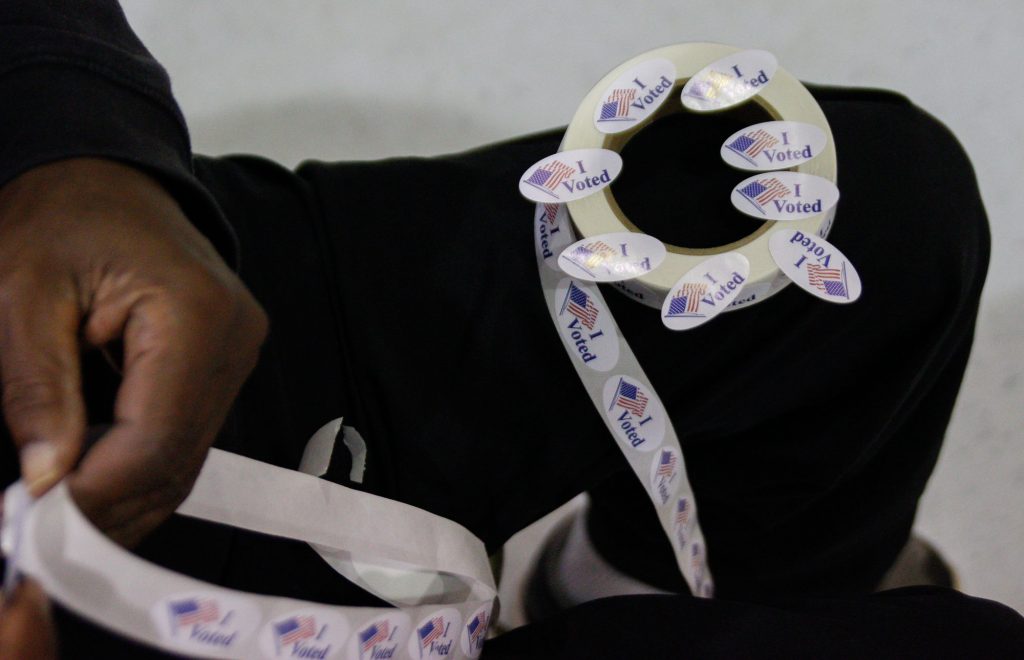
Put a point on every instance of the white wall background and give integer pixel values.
(352, 80)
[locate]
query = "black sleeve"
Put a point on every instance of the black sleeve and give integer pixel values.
(76, 81)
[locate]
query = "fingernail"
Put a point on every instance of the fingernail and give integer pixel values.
(39, 466)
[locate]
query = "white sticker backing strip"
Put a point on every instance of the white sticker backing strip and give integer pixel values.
(630, 408)
(74, 563)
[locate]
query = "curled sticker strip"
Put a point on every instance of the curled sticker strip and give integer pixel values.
(75, 563)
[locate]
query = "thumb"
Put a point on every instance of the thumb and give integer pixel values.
(26, 625)
(41, 382)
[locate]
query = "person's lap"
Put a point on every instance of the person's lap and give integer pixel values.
(402, 296)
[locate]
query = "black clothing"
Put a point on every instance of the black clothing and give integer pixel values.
(403, 296)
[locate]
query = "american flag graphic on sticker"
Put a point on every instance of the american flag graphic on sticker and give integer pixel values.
(631, 398)
(375, 633)
(430, 631)
(192, 611)
(548, 176)
(666, 464)
(294, 629)
(763, 191)
(592, 254)
(752, 143)
(616, 105)
(829, 280)
(551, 213)
(580, 305)
(686, 301)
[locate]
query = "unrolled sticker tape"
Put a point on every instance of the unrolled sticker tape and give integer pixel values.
(588, 329)
(570, 175)
(815, 265)
(705, 291)
(634, 95)
(784, 196)
(635, 413)
(773, 145)
(612, 257)
(729, 81)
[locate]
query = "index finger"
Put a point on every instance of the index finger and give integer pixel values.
(180, 377)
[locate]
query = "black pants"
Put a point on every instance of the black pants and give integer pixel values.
(403, 296)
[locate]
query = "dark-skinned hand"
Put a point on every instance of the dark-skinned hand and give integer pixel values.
(95, 253)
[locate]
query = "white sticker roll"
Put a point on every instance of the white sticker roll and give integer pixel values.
(785, 98)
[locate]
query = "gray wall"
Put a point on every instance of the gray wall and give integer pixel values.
(351, 80)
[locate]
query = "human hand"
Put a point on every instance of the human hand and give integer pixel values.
(26, 628)
(93, 252)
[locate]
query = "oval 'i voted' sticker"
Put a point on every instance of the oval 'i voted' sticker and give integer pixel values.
(434, 637)
(784, 196)
(380, 636)
(634, 96)
(310, 633)
(586, 326)
(570, 175)
(705, 291)
(475, 631)
(635, 413)
(612, 257)
(552, 232)
(773, 145)
(729, 81)
(815, 265)
(665, 474)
